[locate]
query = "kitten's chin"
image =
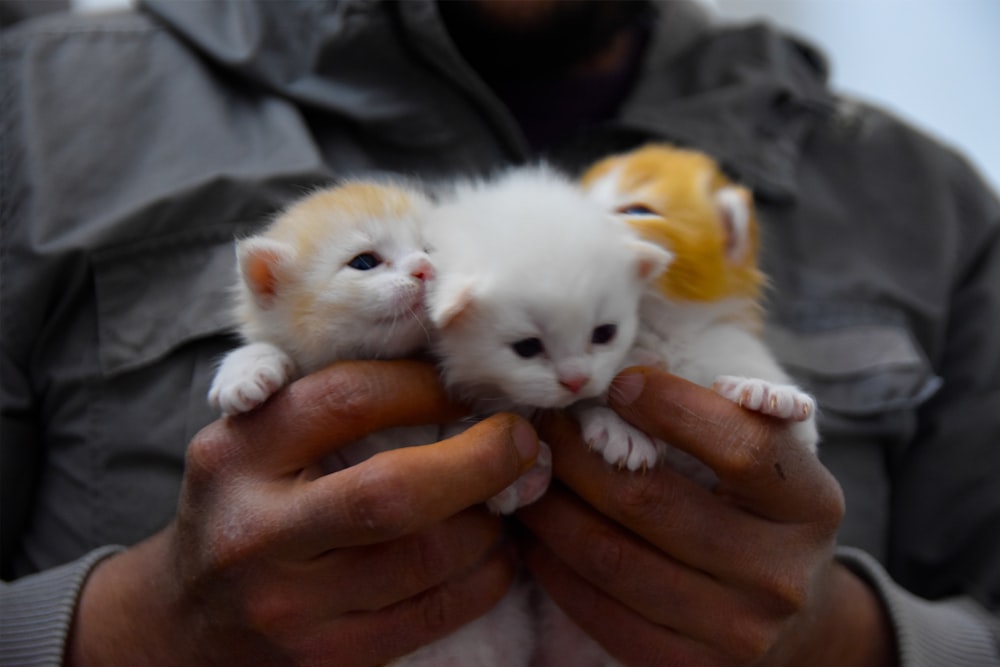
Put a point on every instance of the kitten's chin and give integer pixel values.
(560, 398)
(392, 340)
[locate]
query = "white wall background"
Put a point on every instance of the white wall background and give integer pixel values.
(934, 62)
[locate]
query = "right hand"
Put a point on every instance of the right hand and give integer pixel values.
(270, 562)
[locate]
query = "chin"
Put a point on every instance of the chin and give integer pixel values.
(554, 399)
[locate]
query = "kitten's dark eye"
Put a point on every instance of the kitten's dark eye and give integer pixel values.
(365, 261)
(528, 348)
(635, 209)
(603, 334)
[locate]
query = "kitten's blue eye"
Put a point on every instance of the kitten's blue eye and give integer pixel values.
(528, 348)
(365, 261)
(603, 334)
(636, 209)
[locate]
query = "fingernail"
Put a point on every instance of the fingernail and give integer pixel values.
(626, 387)
(525, 440)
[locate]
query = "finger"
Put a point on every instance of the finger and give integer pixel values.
(756, 458)
(610, 558)
(321, 412)
(398, 492)
(409, 565)
(372, 577)
(672, 512)
(404, 627)
(657, 587)
(625, 634)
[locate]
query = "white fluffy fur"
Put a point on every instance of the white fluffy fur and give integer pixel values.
(528, 256)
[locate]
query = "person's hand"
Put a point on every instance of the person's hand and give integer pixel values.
(268, 562)
(661, 571)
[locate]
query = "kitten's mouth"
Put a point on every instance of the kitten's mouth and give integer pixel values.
(408, 307)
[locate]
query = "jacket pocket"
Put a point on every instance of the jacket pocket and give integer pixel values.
(863, 365)
(857, 370)
(154, 296)
(163, 321)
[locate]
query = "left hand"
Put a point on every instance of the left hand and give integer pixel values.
(661, 571)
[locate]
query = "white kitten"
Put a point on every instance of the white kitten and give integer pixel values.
(536, 297)
(535, 305)
(536, 300)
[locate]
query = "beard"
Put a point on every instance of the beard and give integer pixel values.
(536, 39)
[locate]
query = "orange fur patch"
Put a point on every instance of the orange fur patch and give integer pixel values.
(311, 222)
(679, 186)
(313, 219)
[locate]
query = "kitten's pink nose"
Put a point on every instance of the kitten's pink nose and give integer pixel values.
(574, 382)
(423, 271)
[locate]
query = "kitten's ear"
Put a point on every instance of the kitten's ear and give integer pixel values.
(651, 259)
(264, 265)
(451, 300)
(735, 206)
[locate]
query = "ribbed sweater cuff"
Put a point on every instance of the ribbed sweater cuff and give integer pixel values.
(36, 611)
(942, 633)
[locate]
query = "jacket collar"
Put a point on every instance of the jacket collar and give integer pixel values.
(747, 96)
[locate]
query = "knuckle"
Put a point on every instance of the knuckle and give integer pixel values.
(641, 495)
(436, 612)
(234, 545)
(342, 395)
(380, 500)
(604, 557)
(432, 562)
(209, 452)
(785, 593)
(832, 505)
(746, 448)
(269, 612)
(751, 640)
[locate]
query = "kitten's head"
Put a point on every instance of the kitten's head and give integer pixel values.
(339, 275)
(681, 200)
(536, 298)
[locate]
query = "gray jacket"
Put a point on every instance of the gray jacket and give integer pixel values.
(135, 146)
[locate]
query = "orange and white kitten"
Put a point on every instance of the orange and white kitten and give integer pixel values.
(701, 320)
(341, 274)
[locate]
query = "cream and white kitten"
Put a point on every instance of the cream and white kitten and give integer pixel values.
(341, 274)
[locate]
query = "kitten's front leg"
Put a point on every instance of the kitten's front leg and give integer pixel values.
(248, 376)
(619, 442)
(784, 401)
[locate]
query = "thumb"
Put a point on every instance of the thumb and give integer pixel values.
(327, 410)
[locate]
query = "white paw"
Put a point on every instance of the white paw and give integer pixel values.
(527, 488)
(619, 442)
(248, 376)
(784, 401)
